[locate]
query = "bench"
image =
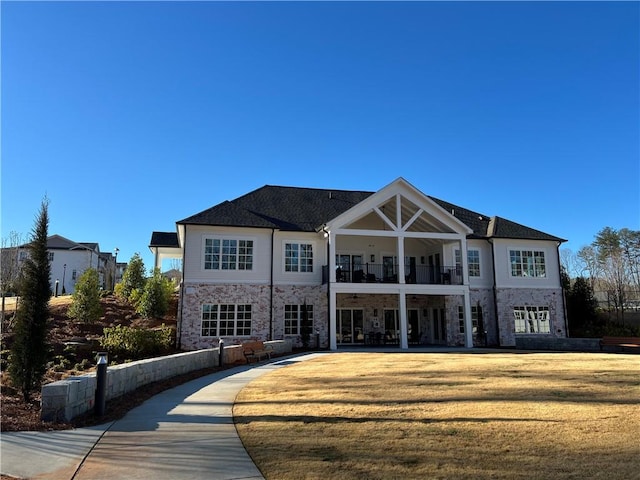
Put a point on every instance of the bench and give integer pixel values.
(621, 342)
(256, 350)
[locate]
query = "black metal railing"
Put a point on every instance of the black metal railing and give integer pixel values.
(386, 273)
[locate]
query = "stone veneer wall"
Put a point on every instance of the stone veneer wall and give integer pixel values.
(485, 298)
(258, 296)
(507, 298)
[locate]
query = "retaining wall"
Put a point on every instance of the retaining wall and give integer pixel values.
(558, 344)
(68, 398)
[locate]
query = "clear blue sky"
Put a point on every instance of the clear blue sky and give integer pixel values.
(132, 116)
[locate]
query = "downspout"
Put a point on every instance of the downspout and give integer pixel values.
(564, 300)
(273, 232)
(326, 233)
(495, 293)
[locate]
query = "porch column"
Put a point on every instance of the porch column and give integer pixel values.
(464, 258)
(404, 343)
(332, 321)
(468, 327)
(401, 273)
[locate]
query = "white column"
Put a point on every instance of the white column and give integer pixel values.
(404, 344)
(401, 274)
(332, 321)
(468, 328)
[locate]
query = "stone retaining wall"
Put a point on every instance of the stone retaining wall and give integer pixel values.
(558, 344)
(68, 398)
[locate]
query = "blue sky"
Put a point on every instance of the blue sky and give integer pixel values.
(130, 116)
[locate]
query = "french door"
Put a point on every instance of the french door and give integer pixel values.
(350, 325)
(438, 326)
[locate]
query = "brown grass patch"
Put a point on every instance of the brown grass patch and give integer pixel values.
(446, 416)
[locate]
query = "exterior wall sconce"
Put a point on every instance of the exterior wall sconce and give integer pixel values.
(373, 258)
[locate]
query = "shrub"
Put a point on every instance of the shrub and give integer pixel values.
(85, 302)
(154, 301)
(137, 343)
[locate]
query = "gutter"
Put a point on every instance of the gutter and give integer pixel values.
(324, 230)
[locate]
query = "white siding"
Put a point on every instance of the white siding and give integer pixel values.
(503, 267)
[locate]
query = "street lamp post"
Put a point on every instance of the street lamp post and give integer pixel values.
(115, 267)
(64, 273)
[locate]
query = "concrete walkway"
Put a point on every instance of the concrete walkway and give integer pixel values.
(181, 434)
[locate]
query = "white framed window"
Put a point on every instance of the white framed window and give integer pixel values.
(226, 320)
(298, 257)
(50, 256)
(527, 263)
(473, 261)
(532, 320)
(293, 317)
(228, 254)
(74, 274)
(22, 255)
(474, 318)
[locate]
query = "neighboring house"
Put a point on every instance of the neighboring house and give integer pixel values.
(394, 267)
(69, 260)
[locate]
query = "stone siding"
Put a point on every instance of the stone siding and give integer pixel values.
(508, 298)
(258, 296)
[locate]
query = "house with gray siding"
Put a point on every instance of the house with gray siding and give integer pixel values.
(394, 267)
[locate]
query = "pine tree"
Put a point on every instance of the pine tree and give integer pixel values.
(133, 278)
(29, 352)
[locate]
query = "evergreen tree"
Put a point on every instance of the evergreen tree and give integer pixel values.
(581, 306)
(133, 278)
(29, 351)
(85, 304)
(156, 296)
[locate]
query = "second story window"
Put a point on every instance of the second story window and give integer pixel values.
(298, 257)
(527, 263)
(228, 254)
(50, 254)
(473, 262)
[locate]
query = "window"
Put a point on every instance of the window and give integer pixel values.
(22, 255)
(473, 262)
(74, 274)
(532, 319)
(474, 318)
(226, 320)
(228, 254)
(298, 257)
(527, 263)
(293, 317)
(50, 255)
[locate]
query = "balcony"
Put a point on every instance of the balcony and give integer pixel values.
(386, 273)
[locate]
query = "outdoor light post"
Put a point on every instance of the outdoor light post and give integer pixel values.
(115, 267)
(101, 384)
(64, 273)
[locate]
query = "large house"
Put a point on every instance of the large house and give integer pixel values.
(68, 260)
(394, 267)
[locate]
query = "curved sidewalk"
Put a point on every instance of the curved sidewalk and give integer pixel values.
(184, 433)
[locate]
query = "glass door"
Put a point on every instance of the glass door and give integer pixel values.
(349, 268)
(350, 326)
(391, 327)
(413, 327)
(438, 327)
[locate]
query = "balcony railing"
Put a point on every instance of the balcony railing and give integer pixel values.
(385, 273)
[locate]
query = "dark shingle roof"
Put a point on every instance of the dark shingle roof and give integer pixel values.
(285, 208)
(307, 209)
(503, 228)
(164, 239)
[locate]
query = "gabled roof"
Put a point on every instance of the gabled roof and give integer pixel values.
(58, 242)
(284, 208)
(307, 209)
(164, 239)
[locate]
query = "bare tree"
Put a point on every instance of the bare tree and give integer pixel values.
(9, 266)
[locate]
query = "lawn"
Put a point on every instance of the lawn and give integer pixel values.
(446, 416)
